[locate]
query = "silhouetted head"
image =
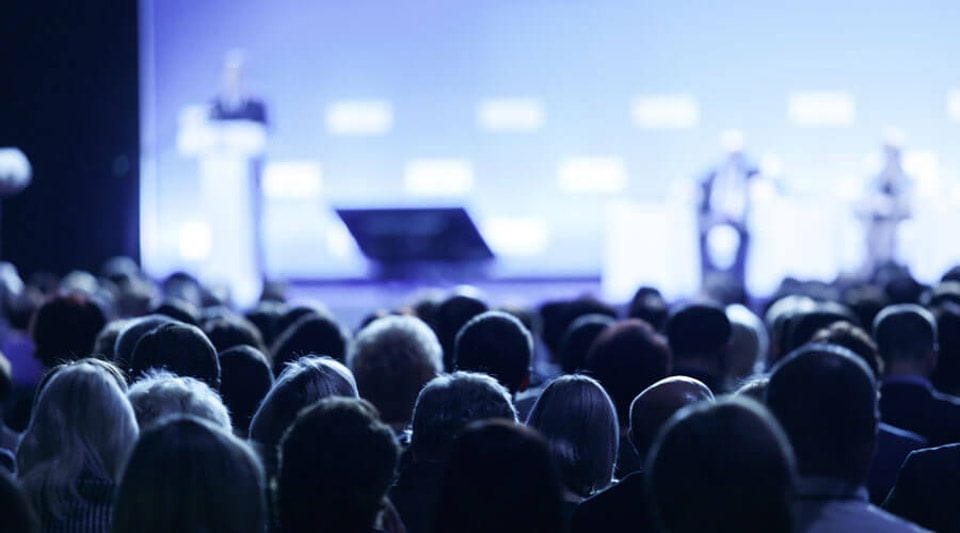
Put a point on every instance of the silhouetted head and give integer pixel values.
(179, 348)
(579, 338)
(652, 408)
(906, 334)
(65, 327)
(311, 334)
(496, 343)
(449, 317)
(245, 380)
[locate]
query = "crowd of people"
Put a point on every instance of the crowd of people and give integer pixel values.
(131, 405)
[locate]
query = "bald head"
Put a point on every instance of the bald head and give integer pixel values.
(657, 403)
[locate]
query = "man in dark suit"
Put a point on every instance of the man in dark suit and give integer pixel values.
(624, 505)
(906, 336)
(928, 488)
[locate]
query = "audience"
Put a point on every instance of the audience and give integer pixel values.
(446, 405)
(627, 502)
(832, 426)
(187, 474)
(721, 467)
(392, 359)
(337, 462)
(499, 477)
(71, 456)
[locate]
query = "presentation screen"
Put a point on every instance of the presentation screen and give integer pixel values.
(572, 132)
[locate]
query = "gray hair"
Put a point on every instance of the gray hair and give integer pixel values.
(161, 394)
(82, 424)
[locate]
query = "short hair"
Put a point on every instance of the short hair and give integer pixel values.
(103, 345)
(698, 329)
(305, 381)
(650, 306)
(946, 375)
(495, 343)
(178, 309)
(721, 467)
(230, 331)
(160, 394)
(130, 335)
(578, 419)
(825, 397)
(448, 403)
(82, 424)
(449, 317)
(337, 463)
(905, 332)
(558, 315)
(245, 380)
(500, 477)
(313, 333)
(802, 326)
(855, 339)
(626, 358)
(65, 327)
(187, 474)
(179, 348)
(651, 409)
(392, 359)
(578, 339)
(18, 515)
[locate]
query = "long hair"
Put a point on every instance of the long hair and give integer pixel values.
(579, 421)
(82, 425)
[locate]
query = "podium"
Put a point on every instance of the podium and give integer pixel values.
(229, 155)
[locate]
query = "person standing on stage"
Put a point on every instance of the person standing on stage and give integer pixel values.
(886, 203)
(723, 215)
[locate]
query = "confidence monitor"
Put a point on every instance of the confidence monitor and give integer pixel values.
(398, 237)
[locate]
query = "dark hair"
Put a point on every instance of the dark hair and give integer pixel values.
(855, 339)
(130, 335)
(179, 348)
(337, 462)
(579, 421)
(17, 513)
(179, 310)
(721, 467)
(578, 339)
(905, 331)
(651, 409)
(186, 474)
(626, 358)
(448, 403)
(946, 375)
(103, 345)
(496, 343)
(65, 327)
(650, 306)
(229, 331)
(499, 478)
(802, 326)
(698, 329)
(558, 315)
(305, 381)
(449, 317)
(825, 397)
(311, 334)
(245, 380)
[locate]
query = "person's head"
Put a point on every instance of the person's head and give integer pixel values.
(231, 330)
(178, 309)
(392, 359)
(65, 327)
(855, 339)
(449, 317)
(626, 358)
(179, 348)
(500, 477)
(748, 343)
(186, 474)
(16, 513)
(906, 336)
(754, 388)
(578, 419)
(946, 375)
(82, 424)
(160, 394)
(578, 339)
(337, 462)
(825, 397)
(312, 333)
(724, 466)
(245, 379)
(448, 403)
(701, 332)
(802, 326)
(130, 335)
(496, 343)
(304, 382)
(650, 306)
(652, 408)
(556, 317)
(103, 345)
